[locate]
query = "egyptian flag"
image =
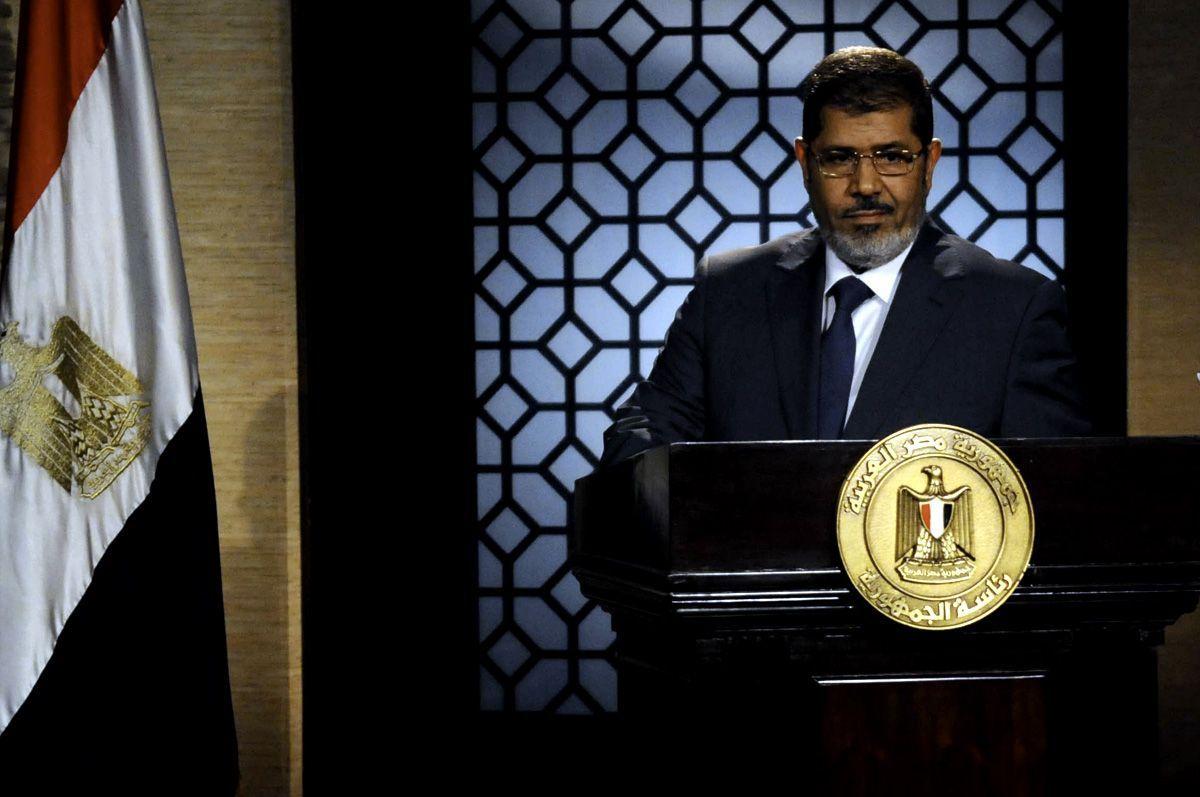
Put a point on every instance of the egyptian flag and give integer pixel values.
(113, 669)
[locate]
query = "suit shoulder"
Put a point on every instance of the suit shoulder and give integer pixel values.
(983, 269)
(749, 262)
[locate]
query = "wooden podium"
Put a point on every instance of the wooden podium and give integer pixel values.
(719, 565)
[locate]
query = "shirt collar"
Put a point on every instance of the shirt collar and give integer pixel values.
(881, 280)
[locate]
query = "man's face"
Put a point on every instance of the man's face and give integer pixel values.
(866, 217)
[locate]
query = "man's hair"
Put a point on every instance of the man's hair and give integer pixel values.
(862, 80)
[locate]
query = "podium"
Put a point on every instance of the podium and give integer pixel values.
(719, 565)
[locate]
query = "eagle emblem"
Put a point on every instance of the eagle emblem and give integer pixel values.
(108, 424)
(933, 532)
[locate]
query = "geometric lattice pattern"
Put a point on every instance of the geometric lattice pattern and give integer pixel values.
(617, 142)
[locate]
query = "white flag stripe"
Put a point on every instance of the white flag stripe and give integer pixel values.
(100, 245)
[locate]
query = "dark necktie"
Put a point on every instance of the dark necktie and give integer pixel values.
(837, 357)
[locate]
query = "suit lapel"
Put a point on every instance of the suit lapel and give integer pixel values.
(794, 292)
(925, 298)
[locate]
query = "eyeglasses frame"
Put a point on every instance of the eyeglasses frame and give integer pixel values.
(858, 161)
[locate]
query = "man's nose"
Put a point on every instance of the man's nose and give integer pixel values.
(865, 181)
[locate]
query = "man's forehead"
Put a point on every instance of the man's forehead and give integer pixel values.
(846, 128)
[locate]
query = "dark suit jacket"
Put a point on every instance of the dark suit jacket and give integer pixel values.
(969, 340)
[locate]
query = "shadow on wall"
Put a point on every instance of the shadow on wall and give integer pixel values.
(254, 531)
(1179, 725)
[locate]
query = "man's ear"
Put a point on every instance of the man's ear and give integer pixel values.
(934, 151)
(802, 156)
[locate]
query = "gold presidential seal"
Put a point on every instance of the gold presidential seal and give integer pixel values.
(934, 526)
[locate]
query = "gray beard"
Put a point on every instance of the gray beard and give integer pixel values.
(871, 250)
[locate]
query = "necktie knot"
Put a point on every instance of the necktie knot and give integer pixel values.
(849, 293)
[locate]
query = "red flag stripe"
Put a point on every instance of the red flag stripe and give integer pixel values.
(59, 44)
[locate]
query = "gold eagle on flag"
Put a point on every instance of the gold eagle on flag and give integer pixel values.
(113, 424)
(934, 542)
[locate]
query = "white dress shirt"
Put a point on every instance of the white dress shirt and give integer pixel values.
(868, 317)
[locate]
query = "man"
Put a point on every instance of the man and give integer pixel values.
(874, 321)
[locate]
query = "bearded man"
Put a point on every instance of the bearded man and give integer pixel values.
(874, 321)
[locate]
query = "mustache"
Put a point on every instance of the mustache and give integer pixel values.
(869, 206)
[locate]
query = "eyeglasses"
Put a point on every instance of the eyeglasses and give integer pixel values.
(888, 162)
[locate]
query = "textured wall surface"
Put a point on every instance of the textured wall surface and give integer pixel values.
(222, 69)
(1164, 303)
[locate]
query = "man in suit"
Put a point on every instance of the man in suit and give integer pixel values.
(874, 321)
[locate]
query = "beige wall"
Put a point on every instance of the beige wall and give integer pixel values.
(1164, 228)
(1164, 302)
(222, 69)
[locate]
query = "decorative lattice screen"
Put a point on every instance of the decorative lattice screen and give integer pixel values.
(617, 142)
